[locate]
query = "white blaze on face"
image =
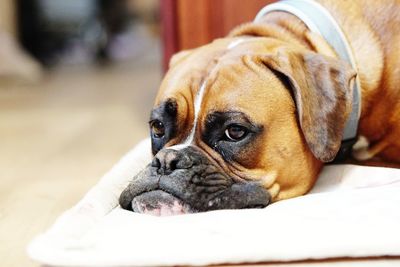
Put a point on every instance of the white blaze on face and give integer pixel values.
(198, 101)
(197, 105)
(237, 42)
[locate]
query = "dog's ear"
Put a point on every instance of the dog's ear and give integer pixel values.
(179, 57)
(322, 92)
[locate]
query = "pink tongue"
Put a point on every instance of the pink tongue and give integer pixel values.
(159, 203)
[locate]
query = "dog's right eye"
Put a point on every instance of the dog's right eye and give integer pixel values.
(157, 128)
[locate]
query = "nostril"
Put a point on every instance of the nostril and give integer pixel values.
(156, 163)
(173, 164)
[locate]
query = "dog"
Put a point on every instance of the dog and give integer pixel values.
(251, 118)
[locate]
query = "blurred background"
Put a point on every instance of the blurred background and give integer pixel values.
(77, 83)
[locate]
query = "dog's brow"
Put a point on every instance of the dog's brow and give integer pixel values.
(156, 113)
(168, 107)
(199, 99)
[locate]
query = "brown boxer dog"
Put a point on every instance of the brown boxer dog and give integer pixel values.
(250, 119)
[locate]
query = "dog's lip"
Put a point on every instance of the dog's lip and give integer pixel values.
(158, 189)
(173, 206)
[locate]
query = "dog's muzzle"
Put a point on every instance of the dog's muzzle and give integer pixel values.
(186, 181)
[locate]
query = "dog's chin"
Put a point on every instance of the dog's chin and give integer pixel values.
(159, 203)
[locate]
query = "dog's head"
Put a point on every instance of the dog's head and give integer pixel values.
(239, 123)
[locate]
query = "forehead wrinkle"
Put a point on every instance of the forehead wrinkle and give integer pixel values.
(226, 76)
(194, 72)
(210, 78)
(235, 88)
(202, 79)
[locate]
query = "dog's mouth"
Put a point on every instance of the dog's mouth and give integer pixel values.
(199, 187)
(159, 203)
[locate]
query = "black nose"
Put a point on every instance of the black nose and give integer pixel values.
(168, 160)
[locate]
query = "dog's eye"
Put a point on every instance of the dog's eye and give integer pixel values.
(235, 132)
(157, 128)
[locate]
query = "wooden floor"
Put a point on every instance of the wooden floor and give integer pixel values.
(59, 136)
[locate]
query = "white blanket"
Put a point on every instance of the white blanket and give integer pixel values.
(352, 211)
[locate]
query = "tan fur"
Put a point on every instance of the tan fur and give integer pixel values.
(247, 79)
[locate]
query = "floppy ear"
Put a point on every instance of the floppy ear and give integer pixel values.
(323, 97)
